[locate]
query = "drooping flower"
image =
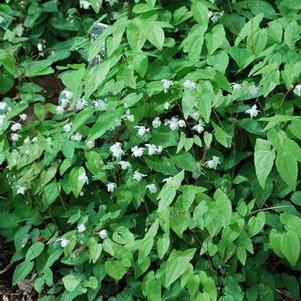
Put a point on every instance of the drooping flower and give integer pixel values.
(21, 189)
(116, 150)
(81, 228)
(67, 94)
(166, 180)
(152, 188)
(111, 187)
(85, 4)
(167, 106)
(142, 130)
(173, 123)
(181, 123)
(188, 84)
(64, 242)
(90, 143)
(137, 151)
(15, 137)
(195, 115)
(138, 176)
(103, 233)
(100, 105)
(16, 127)
(252, 111)
(67, 127)
(153, 149)
(23, 117)
(40, 47)
(199, 128)
(235, 86)
(215, 16)
(26, 140)
(64, 102)
(124, 164)
(80, 104)
(59, 109)
(2, 20)
(297, 90)
(83, 179)
(3, 105)
(129, 116)
(156, 122)
(166, 84)
(77, 137)
(213, 162)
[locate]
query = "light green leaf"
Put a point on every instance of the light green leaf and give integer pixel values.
(34, 251)
(264, 160)
(155, 35)
(290, 247)
(21, 271)
(71, 282)
(256, 224)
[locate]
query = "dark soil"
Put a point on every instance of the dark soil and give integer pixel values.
(22, 292)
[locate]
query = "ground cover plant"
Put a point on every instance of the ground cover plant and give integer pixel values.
(150, 149)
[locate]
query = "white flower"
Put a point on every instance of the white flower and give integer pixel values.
(111, 187)
(173, 123)
(85, 4)
(16, 127)
(81, 228)
(137, 151)
(23, 117)
(40, 47)
(166, 180)
(235, 86)
(124, 164)
(3, 105)
(64, 242)
(26, 140)
(142, 130)
(64, 102)
(188, 84)
(34, 139)
(83, 179)
(152, 149)
(213, 162)
(166, 84)
(214, 17)
(77, 137)
(181, 123)
(2, 118)
(116, 150)
(195, 115)
(80, 104)
(2, 20)
(138, 176)
(100, 105)
(130, 117)
(49, 140)
(252, 111)
(297, 90)
(103, 233)
(59, 110)
(90, 143)
(152, 188)
(67, 94)
(67, 127)
(156, 122)
(166, 105)
(199, 128)
(21, 190)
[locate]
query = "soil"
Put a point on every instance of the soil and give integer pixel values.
(22, 292)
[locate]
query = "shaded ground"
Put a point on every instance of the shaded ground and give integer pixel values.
(22, 292)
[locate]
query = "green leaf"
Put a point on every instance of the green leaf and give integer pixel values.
(215, 38)
(176, 265)
(290, 247)
(115, 269)
(287, 167)
(163, 245)
(71, 282)
(205, 95)
(135, 34)
(95, 77)
(21, 271)
(94, 248)
(103, 123)
(169, 191)
(264, 160)
(75, 180)
(200, 13)
(155, 35)
(34, 251)
(256, 224)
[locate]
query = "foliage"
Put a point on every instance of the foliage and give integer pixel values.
(150, 149)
